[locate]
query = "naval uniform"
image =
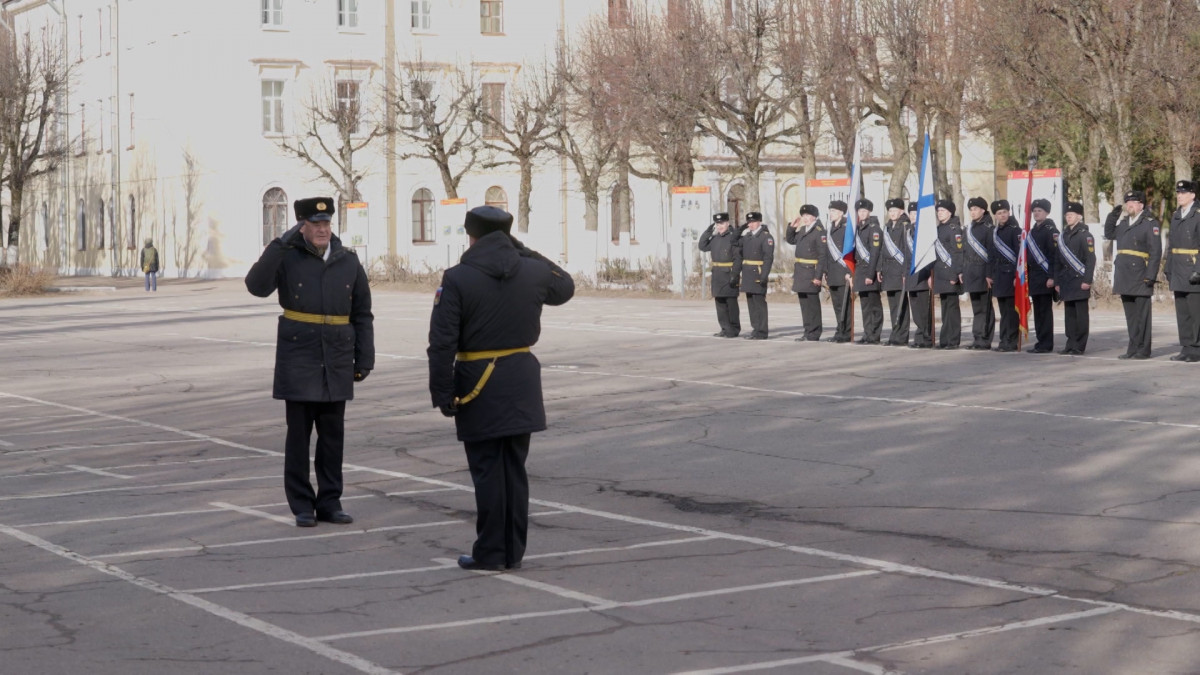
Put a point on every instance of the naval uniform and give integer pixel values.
(1041, 260)
(758, 254)
(835, 278)
(812, 257)
(1006, 248)
(726, 273)
(977, 259)
(1076, 266)
(868, 249)
(1182, 261)
(893, 267)
(947, 267)
(1135, 270)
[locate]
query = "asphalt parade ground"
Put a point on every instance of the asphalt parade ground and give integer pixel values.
(699, 505)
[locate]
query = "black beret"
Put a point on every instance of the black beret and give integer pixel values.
(896, 203)
(754, 217)
(1075, 207)
(483, 220)
(864, 204)
(977, 201)
(314, 209)
(809, 210)
(1186, 186)
(912, 206)
(1135, 196)
(721, 217)
(1001, 205)
(948, 205)
(1043, 204)
(839, 205)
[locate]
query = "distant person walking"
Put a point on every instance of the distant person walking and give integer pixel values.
(150, 265)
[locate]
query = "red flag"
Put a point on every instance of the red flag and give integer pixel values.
(1022, 283)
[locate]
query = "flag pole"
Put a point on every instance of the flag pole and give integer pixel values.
(1023, 310)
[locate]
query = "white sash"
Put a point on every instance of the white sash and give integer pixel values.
(892, 249)
(1038, 256)
(1072, 260)
(975, 244)
(863, 251)
(834, 251)
(942, 253)
(1009, 254)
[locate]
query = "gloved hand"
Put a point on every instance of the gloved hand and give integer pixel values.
(361, 374)
(292, 236)
(1148, 282)
(1195, 278)
(448, 410)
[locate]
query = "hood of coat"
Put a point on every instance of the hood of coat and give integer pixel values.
(494, 255)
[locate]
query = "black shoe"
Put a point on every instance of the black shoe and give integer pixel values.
(1140, 357)
(1005, 349)
(1191, 359)
(861, 341)
(468, 563)
(1125, 356)
(1066, 351)
(755, 337)
(721, 334)
(1037, 350)
(513, 566)
(306, 520)
(1179, 357)
(732, 335)
(339, 517)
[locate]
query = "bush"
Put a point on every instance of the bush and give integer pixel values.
(25, 280)
(394, 269)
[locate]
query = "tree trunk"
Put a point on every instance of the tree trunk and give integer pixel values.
(523, 208)
(901, 159)
(955, 165)
(937, 148)
(17, 198)
(1116, 142)
(1181, 132)
(591, 212)
(448, 183)
(1089, 170)
(808, 140)
(753, 182)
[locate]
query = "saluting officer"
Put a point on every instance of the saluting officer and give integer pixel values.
(893, 268)
(486, 316)
(1073, 278)
(1040, 262)
(325, 343)
(867, 252)
(1135, 269)
(1183, 270)
(920, 299)
(1002, 274)
(758, 253)
(837, 274)
(947, 273)
(808, 236)
(977, 258)
(721, 242)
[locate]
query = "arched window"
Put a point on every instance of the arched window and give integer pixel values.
(133, 224)
(793, 199)
(81, 226)
(100, 222)
(734, 202)
(275, 214)
(497, 197)
(422, 216)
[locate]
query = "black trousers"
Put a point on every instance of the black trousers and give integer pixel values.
(842, 309)
(501, 498)
(758, 313)
(810, 312)
(729, 315)
(1187, 316)
(951, 333)
(922, 315)
(983, 325)
(1137, 320)
(1077, 322)
(1010, 323)
(1043, 321)
(329, 419)
(872, 315)
(898, 309)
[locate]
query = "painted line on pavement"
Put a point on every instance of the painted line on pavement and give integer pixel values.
(162, 514)
(41, 451)
(97, 472)
(290, 522)
(537, 585)
(84, 431)
(127, 488)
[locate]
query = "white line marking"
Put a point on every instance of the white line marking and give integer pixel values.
(846, 662)
(418, 492)
(166, 513)
(87, 447)
(610, 549)
(341, 577)
(84, 431)
(338, 656)
(5, 444)
(97, 472)
(591, 608)
(49, 417)
(125, 488)
(38, 473)
(537, 585)
(150, 465)
(276, 540)
(255, 512)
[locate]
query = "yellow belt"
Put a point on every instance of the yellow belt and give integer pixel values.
(806, 261)
(728, 264)
(752, 262)
(1145, 256)
(493, 354)
(1186, 251)
(325, 319)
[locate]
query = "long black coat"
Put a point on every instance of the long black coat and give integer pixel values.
(493, 300)
(868, 249)
(1003, 271)
(316, 362)
(976, 264)
(810, 246)
(945, 272)
(1139, 252)
(837, 269)
(724, 248)
(1184, 240)
(1078, 242)
(758, 247)
(899, 233)
(1045, 235)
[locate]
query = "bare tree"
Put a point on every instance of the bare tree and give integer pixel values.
(333, 127)
(33, 76)
(436, 115)
(843, 95)
(1172, 59)
(186, 246)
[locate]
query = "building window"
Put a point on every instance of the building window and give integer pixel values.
(422, 15)
(131, 126)
(493, 108)
(497, 197)
(618, 13)
(422, 216)
(422, 97)
(348, 107)
(81, 226)
(133, 224)
(46, 224)
(100, 223)
(100, 135)
(491, 16)
(272, 106)
(272, 12)
(347, 13)
(275, 214)
(82, 129)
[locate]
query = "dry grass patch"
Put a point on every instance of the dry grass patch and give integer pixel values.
(23, 280)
